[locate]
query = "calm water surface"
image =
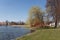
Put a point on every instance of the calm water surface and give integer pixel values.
(11, 33)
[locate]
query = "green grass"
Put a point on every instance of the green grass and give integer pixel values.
(43, 34)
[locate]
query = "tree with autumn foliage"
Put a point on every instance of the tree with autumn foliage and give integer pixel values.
(35, 16)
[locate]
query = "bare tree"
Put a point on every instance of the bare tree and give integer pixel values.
(54, 10)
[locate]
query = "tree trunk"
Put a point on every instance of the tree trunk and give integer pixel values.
(56, 23)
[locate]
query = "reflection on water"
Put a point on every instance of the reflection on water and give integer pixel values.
(10, 33)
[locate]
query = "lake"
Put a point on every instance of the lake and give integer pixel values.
(11, 33)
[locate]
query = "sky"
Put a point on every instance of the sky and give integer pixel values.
(18, 10)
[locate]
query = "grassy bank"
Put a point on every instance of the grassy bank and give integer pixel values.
(43, 34)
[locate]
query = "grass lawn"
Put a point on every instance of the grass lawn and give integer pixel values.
(42, 34)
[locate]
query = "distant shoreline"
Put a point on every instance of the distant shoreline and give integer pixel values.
(19, 25)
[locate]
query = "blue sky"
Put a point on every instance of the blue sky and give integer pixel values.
(16, 10)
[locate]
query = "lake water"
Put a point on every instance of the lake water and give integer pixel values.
(11, 33)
